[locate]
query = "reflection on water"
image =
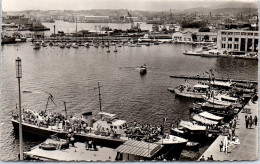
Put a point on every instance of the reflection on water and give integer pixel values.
(72, 74)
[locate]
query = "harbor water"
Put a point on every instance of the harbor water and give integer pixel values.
(71, 75)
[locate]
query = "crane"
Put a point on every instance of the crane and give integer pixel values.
(131, 20)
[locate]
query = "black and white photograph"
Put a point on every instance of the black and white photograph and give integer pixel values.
(129, 80)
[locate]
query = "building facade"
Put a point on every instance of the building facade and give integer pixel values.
(237, 40)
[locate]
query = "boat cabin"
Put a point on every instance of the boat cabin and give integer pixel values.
(138, 151)
(109, 122)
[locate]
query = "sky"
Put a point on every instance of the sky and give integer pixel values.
(155, 5)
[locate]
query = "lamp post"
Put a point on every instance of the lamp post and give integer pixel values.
(18, 64)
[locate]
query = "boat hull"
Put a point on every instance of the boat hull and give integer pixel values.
(194, 95)
(79, 137)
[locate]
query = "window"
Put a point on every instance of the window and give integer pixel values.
(223, 38)
(229, 46)
(115, 127)
(243, 33)
(223, 45)
(236, 39)
(224, 33)
(256, 34)
(111, 127)
(120, 127)
(237, 33)
(250, 33)
(230, 33)
(229, 39)
(235, 46)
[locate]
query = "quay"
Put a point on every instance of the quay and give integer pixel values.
(207, 78)
(76, 153)
(247, 147)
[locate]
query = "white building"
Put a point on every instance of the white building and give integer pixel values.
(238, 40)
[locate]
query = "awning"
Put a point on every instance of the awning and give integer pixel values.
(191, 126)
(204, 120)
(210, 116)
(107, 114)
(139, 148)
(201, 86)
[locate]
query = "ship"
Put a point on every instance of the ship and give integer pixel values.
(143, 69)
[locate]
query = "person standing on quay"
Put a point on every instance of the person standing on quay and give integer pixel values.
(247, 122)
(250, 121)
(255, 120)
(220, 146)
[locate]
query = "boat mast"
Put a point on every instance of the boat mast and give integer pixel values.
(65, 110)
(99, 97)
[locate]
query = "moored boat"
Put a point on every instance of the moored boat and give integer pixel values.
(197, 91)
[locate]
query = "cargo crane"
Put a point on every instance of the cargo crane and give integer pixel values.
(133, 27)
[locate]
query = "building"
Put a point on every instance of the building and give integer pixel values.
(237, 40)
(182, 36)
(97, 19)
(207, 36)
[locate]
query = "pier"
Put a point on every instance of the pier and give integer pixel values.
(207, 78)
(76, 153)
(247, 149)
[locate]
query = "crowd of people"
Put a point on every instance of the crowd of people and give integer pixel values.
(250, 121)
(145, 132)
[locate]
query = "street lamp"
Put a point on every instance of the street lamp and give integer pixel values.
(18, 64)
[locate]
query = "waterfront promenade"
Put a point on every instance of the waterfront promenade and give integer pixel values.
(248, 138)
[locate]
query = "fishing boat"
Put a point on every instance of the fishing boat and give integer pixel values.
(61, 45)
(37, 46)
(68, 45)
(197, 91)
(143, 69)
(44, 44)
(74, 45)
(86, 45)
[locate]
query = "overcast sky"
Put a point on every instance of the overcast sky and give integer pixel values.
(17, 5)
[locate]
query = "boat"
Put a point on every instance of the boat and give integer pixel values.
(74, 45)
(44, 44)
(143, 69)
(61, 45)
(193, 53)
(37, 46)
(197, 91)
(86, 45)
(223, 100)
(7, 39)
(68, 45)
(190, 130)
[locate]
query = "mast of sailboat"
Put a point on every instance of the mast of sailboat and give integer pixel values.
(65, 109)
(76, 26)
(99, 97)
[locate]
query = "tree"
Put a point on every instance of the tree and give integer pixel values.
(194, 37)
